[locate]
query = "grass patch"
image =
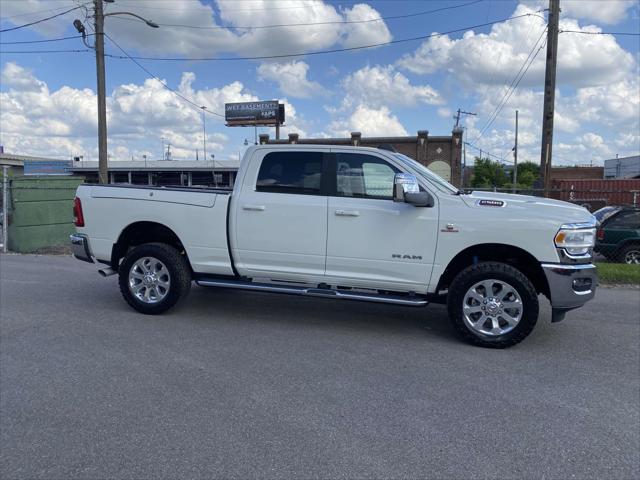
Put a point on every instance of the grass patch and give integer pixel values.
(620, 273)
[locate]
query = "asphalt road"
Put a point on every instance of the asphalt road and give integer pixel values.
(240, 385)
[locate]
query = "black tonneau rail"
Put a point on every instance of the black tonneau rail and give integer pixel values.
(177, 188)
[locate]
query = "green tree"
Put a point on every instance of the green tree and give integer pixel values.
(528, 173)
(488, 174)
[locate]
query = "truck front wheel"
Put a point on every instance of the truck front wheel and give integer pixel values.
(492, 305)
(153, 277)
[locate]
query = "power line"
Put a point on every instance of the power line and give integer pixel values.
(513, 85)
(45, 51)
(36, 12)
(336, 50)
(600, 33)
(44, 41)
(175, 92)
(342, 22)
(507, 93)
(41, 20)
(489, 154)
(287, 55)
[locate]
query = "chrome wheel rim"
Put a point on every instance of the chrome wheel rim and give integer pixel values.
(492, 308)
(632, 257)
(149, 280)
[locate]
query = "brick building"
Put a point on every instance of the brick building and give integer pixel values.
(441, 154)
(577, 173)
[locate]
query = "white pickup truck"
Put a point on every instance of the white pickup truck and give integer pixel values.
(345, 223)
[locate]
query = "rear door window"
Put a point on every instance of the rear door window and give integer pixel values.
(291, 172)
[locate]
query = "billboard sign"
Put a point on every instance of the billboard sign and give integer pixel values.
(47, 167)
(250, 113)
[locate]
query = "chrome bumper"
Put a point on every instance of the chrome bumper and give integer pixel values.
(570, 286)
(80, 247)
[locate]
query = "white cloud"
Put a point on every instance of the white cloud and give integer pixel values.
(63, 123)
(291, 78)
(596, 144)
(494, 58)
(628, 140)
(608, 12)
(430, 57)
(377, 86)
(607, 109)
(597, 93)
(358, 34)
(444, 112)
(16, 77)
(293, 122)
(612, 105)
(370, 122)
(226, 31)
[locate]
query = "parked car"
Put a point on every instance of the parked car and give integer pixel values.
(618, 236)
(345, 223)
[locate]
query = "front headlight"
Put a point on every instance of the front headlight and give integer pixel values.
(575, 241)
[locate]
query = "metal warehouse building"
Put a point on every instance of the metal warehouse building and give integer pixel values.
(626, 167)
(163, 172)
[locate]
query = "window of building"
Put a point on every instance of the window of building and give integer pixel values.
(167, 179)
(120, 177)
(139, 178)
(364, 176)
(291, 172)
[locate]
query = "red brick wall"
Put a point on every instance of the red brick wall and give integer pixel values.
(577, 173)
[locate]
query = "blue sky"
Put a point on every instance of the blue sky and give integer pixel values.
(48, 100)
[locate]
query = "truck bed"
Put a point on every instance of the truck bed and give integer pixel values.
(196, 215)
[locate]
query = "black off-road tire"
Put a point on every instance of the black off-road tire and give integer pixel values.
(499, 271)
(176, 264)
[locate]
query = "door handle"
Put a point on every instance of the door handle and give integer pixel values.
(347, 213)
(254, 208)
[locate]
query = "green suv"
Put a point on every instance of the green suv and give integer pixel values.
(618, 236)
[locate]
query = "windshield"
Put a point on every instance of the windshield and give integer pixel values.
(439, 182)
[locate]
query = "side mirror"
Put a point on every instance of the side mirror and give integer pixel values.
(407, 190)
(420, 199)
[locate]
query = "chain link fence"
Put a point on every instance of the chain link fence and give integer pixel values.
(39, 214)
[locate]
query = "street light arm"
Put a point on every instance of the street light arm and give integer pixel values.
(148, 22)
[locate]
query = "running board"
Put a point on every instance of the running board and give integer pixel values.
(409, 300)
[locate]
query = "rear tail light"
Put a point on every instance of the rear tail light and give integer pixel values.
(78, 217)
(600, 234)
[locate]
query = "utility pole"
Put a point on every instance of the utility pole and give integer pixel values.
(461, 112)
(464, 162)
(5, 208)
(549, 95)
(204, 134)
(515, 157)
(98, 16)
(103, 168)
(457, 117)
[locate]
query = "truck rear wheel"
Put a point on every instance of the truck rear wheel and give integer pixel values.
(153, 277)
(492, 305)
